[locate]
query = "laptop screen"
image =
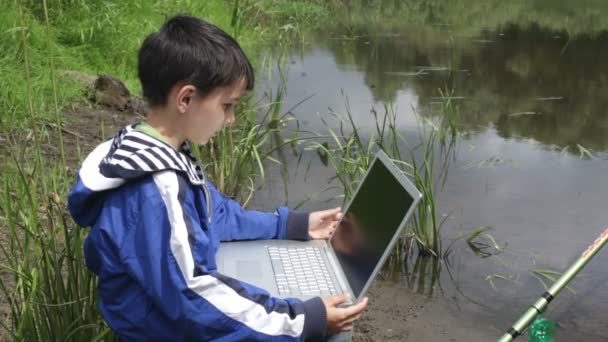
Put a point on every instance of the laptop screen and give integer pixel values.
(369, 224)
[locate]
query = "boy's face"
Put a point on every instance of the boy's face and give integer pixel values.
(205, 116)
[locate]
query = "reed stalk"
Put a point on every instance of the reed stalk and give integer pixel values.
(350, 153)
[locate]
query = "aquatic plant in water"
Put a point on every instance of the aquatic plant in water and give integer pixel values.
(350, 154)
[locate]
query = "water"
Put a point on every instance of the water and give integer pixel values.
(531, 163)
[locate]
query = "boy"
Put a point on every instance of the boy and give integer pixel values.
(157, 221)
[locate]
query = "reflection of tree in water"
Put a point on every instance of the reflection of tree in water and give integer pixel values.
(387, 61)
(576, 77)
(372, 58)
(528, 86)
(527, 82)
(469, 17)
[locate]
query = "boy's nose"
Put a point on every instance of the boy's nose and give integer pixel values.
(229, 118)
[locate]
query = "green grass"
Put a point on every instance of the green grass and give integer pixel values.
(492, 278)
(50, 293)
(482, 243)
(90, 36)
(283, 12)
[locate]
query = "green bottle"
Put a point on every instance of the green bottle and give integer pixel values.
(542, 330)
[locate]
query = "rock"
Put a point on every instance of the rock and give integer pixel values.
(107, 91)
(137, 105)
(82, 78)
(111, 92)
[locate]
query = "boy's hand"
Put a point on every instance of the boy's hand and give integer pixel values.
(322, 223)
(341, 319)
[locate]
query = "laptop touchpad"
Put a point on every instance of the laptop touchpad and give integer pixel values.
(248, 269)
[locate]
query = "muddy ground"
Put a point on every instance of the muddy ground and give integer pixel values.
(394, 312)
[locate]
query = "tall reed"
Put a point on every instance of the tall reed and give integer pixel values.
(235, 158)
(49, 292)
(350, 153)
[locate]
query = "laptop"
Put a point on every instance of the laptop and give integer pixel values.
(346, 263)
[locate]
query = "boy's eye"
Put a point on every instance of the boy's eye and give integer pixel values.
(227, 106)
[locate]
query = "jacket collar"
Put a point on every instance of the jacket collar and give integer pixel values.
(134, 154)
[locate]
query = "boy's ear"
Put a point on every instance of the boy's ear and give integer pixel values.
(185, 94)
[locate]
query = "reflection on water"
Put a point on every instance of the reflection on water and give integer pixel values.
(529, 84)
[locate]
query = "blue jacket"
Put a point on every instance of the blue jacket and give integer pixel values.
(156, 224)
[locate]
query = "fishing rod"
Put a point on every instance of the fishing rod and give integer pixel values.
(541, 304)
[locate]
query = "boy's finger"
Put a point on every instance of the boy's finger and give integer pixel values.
(347, 327)
(351, 319)
(337, 299)
(356, 309)
(329, 212)
(336, 217)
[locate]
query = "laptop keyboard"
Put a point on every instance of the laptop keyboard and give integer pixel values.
(300, 271)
